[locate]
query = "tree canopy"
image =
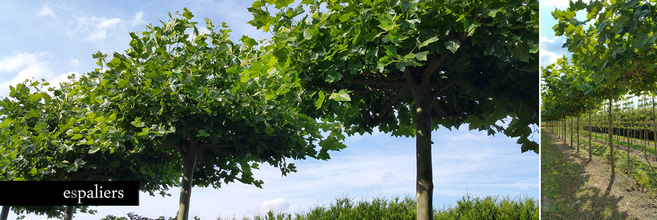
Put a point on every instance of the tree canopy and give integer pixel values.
(613, 55)
(178, 103)
(406, 67)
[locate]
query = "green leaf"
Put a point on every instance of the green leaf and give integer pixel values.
(386, 22)
(33, 113)
(138, 123)
(428, 41)
(249, 42)
(308, 34)
(269, 130)
(421, 56)
(333, 75)
(452, 45)
(320, 99)
(282, 3)
(76, 136)
(5, 122)
(343, 95)
(94, 149)
(521, 51)
(202, 133)
(187, 14)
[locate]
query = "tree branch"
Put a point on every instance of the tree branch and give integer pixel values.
(215, 147)
(431, 68)
(379, 82)
(410, 79)
(392, 101)
(435, 94)
(439, 110)
(370, 89)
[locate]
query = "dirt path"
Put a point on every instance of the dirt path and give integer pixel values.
(632, 199)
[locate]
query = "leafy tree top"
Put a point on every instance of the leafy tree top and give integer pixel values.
(474, 61)
(181, 92)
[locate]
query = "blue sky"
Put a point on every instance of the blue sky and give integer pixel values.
(51, 39)
(550, 46)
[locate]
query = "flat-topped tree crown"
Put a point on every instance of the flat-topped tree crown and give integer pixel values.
(406, 67)
(201, 97)
(476, 61)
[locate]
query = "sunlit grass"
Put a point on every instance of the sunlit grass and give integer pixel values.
(397, 208)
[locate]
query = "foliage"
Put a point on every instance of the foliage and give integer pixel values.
(406, 67)
(205, 105)
(616, 51)
(375, 56)
(397, 208)
(50, 134)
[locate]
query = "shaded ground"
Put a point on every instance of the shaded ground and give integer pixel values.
(574, 188)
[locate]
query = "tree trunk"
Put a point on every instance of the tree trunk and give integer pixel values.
(654, 122)
(628, 147)
(424, 178)
(577, 133)
(572, 132)
(68, 215)
(590, 133)
(564, 131)
(645, 137)
(189, 163)
(611, 138)
(5, 212)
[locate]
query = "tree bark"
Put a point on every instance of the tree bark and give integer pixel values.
(654, 122)
(189, 163)
(611, 134)
(590, 133)
(5, 212)
(68, 215)
(577, 133)
(564, 131)
(572, 130)
(424, 177)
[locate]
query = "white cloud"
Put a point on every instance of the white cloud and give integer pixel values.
(276, 206)
(21, 66)
(138, 19)
(551, 50)
(546, 40)
(561, 4)
(75, 63)
(18, 67)
(95, 28)
(46, 11)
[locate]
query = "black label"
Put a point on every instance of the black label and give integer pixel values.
(55, 193)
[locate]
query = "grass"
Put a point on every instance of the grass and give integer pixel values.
(565, 193)
(391, 209)
(637, 167)
(560, 179)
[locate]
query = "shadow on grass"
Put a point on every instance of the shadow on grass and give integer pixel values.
(564, 194)
(611, 184)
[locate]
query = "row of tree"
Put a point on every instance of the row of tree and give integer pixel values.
(613, 55)
(181, 102)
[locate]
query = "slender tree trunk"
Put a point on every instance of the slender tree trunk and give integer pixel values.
(627, 129)
(654, 126)
(564, 131)
(189, 163)
(572, 132)
(5, 212)
(590, 133)
(645, 137)
(611, 138)
(68, 215)
(577, 133)
(424, 178)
